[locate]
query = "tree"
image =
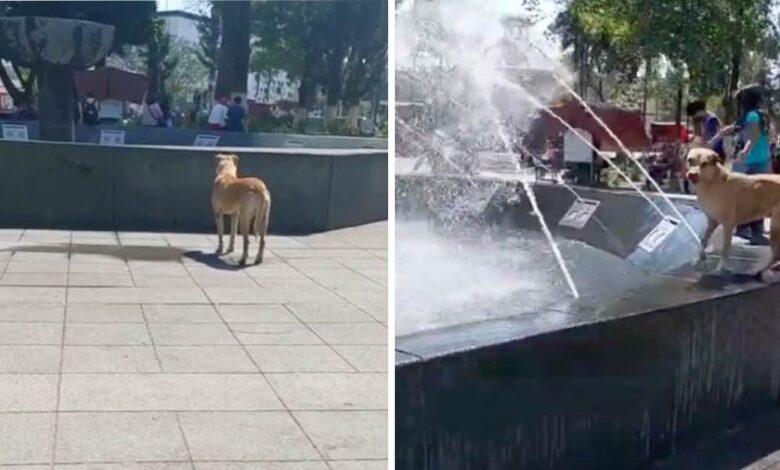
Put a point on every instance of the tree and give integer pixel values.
(210, 32)
(160, 62)
(186, 78)
(367, 60)
(234, 49)
(290, 39)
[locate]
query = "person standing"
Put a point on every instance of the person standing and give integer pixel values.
(90, 110)
(707, 126)
(152, 115)
(755, 154)
(218, 115)
(235, 116)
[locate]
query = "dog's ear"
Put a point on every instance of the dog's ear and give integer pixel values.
(235, 158)
(219, 157)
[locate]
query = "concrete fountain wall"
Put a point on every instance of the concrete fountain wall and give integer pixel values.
(186, 137)
(155, 188)
(619, 381)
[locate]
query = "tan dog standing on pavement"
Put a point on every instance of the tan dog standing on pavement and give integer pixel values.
(247, 200)
(730, 199)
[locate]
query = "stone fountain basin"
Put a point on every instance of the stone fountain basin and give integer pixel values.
(611, 380)
(34, 41)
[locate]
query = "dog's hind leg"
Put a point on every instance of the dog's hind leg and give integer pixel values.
(245, 226)
(774, 237)
(728, 234)
(233, 229)
(220, 231)
(261, 227)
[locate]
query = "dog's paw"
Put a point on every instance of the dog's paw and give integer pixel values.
(768, 275)
(230, 249)
(242, 262)
(723, 268)
(258, 260)
(218, 251)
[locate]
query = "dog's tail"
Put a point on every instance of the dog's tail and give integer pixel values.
(262, 214)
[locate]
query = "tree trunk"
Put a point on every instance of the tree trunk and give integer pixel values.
(645, 91)
(678, 105)
(57, 103)
(234, 50)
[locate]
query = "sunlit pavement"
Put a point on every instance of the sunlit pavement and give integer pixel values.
(147, 348)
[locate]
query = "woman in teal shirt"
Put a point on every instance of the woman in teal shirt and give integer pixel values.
(755, 154)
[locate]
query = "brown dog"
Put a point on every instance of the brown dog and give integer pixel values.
(731, 199)
(247, 200)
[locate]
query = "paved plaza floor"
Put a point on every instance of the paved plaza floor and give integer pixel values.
(146, 351)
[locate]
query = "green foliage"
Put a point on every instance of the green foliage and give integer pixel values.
(210, 31)
(340, 47)
(702, 46)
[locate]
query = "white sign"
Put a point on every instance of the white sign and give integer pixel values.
(579, 213)
(206, 140)
(575, 149)
(660, 233)
(293, 143)
(15, 132)
(112, 137)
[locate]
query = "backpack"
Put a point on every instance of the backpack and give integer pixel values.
(90, 113)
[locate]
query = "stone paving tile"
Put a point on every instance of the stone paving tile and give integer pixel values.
(173, 334)
(245, 436)
(350, 333)
(125, 466)
(119, 437)
(161, 392)
(26, 438)
(101, 313)
(34, 279)
(274, 334)
(159, 346)
(333, 312)
(205, 359)
(346, 434)
(29, 359)
(15, 295)
(256, 313)
(364, 358)
(298, 359)
(329, 391)
(107, 334)
(32, 313)
(181, 314)
(31, 333)
(299, 465)
(113, 359)
(28, 392)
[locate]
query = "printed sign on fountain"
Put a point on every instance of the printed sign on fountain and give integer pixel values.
(661, 232)
(15, 132)
(206, 140)
(579, 213)
(112, 137)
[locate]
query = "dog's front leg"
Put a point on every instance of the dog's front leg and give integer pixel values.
(233, 230)
(728, 233)
(712, 224)
(220, 231)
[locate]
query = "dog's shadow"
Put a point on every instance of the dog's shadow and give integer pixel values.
(132, 252)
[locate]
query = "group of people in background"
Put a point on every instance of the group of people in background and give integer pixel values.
(754, 135)
(227, 117)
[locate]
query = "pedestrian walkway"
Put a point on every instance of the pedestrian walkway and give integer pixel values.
(146, 348)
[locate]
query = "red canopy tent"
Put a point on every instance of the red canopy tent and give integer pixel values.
(627, 124)
(111, 83)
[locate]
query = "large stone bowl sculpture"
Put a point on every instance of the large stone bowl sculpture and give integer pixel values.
(54, 48)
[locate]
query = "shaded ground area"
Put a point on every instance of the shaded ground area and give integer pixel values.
(143, 347)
